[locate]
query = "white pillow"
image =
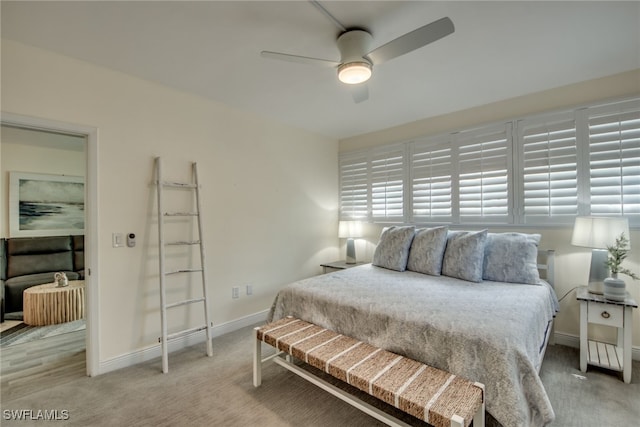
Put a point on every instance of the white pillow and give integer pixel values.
(427, 250)
(512, 257)
(392, 251)
(464, 255)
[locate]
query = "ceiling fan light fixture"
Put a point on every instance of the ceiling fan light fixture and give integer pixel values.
(354, 72)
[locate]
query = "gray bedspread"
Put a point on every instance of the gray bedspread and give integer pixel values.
(489, 332)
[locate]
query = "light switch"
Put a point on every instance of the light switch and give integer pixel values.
(117, 239)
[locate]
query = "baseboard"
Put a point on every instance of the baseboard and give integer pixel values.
(155, 351)
(570, 340)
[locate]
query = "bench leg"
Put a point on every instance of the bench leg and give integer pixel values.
(478, 419)
(257, 359)
(457, 421)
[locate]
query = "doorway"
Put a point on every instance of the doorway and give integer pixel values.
(36, 136)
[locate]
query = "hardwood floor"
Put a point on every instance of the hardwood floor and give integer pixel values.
(41, 363)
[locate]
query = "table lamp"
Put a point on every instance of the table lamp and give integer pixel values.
(350, 230)
(598, 233)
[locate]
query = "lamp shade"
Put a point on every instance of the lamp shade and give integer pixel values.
(598, 232)
(347, 229)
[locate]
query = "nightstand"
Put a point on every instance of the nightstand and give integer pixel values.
(338, 265)
(598, 310)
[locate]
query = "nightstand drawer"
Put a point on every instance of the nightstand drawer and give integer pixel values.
(606, 314)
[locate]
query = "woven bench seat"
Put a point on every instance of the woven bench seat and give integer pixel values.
(433, 395)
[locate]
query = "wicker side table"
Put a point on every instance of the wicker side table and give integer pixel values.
(49, 304)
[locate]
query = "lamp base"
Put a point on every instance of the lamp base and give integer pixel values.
(596, 288)
(598, 271)
(351, 251)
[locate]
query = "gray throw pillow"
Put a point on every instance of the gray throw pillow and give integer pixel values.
(464, 255)
(512, 257)
(392, 251)
(427, 250)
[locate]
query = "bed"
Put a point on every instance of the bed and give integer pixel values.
(459, 318)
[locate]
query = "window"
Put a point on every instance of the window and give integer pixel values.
(354, 173)
(387, 184)
(372, 184)
(614, 160)
(484, 158)
(544, 169)
(549, 162)
(431, 181)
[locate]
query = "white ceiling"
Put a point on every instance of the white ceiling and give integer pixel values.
(499, 50)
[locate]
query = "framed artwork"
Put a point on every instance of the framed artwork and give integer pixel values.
(45, 205)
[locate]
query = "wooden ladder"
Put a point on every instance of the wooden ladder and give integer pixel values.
(161, 186)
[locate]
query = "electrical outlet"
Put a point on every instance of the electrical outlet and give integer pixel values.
(249, 289)
(235, 292)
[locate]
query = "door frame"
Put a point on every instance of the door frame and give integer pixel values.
(91, 223)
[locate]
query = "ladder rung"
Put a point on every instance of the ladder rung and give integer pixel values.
(185, 332)
(183, 242)
(181, 214)
(187, 301)
(184, 270)
(178, 184)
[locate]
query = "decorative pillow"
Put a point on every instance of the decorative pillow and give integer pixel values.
(464, 255)
(393, 249)
(512, 257)
(427, 250)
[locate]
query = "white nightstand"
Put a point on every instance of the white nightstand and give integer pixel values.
(598, 310)
(338, 265)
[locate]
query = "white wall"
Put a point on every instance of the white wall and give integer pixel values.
(572, 263)
(611, 87)
(269, 191)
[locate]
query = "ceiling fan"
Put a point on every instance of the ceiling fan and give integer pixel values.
(357, 60)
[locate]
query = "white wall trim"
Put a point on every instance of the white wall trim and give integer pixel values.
(153, 352)
(573, 341)
(91, 222)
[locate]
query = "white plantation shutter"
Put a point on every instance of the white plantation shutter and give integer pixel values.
(387, 184)
(614, 161)
(484, 163)
(431, 181)
(354, 184)
(555, 167)
(548, 159)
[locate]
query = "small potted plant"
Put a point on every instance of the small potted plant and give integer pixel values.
(614, 288)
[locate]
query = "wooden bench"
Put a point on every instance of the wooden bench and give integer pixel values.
(435, 396)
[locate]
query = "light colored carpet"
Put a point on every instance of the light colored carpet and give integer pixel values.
(218, 391)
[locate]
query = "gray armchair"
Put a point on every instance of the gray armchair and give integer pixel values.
(33, 261)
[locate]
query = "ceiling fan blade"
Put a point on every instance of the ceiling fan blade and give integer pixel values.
(326, 13)
(300, 59)
(412, 40)
(359, 92)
